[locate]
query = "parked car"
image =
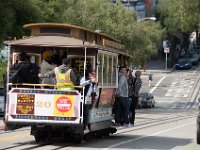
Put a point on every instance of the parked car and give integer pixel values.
(198, 125)
(183, 63)
(1, 101)
(146, 100)
(197, 52)
(193, 58)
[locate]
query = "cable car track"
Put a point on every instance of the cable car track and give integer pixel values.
(155, 122)
(195, 92)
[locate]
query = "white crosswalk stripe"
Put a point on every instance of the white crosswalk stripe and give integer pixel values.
(180, 88)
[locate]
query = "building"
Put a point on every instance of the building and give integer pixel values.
(144, 8)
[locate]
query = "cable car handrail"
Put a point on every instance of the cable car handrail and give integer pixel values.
(36, 85)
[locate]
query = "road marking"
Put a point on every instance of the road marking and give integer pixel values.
(157, 84)
(180, 88)
(195, 70)
(146, 136)
(9, 138)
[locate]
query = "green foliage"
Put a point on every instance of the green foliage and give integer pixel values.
(112, 19)
(180, 15)
(147, 40)
(3, 66)
(6, 23)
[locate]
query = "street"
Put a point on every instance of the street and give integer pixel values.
(171, 125)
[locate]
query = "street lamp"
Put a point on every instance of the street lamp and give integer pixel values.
(147, 18)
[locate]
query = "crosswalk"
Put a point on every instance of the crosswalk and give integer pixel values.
(180, 88)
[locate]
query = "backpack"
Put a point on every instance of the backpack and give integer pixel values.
(15, 77)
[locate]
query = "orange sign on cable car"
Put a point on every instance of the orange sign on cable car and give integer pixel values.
(64, 105)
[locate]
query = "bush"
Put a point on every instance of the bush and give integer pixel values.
(3, 67)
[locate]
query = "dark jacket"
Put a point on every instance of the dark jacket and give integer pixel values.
(137, 86)
(28, 72)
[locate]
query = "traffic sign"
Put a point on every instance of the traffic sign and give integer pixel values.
(166, 50)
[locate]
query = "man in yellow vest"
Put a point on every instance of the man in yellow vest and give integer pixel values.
(65, 76)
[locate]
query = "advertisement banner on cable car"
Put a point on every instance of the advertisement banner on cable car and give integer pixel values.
(33, 105)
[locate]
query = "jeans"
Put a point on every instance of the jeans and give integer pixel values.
(86, 115)
(121, 110)
(133, 106)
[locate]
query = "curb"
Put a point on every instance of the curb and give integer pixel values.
(157, 71)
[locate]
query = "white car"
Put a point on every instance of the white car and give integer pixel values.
(1, 101)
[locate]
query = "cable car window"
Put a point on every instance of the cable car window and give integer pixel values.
(114, 66)
(55, 30)
(107, 69)
(105, 72)
(110, 70)
(77, 64)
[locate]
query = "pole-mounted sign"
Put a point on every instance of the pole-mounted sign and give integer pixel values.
(166, 50)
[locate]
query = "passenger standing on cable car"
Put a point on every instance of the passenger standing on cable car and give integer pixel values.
(46, 66)
(137, 83)
(23, 71)
(130, 93)
(90, 84)
(121, 102)
(65, 76)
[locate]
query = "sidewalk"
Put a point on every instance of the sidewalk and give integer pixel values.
(157, 66)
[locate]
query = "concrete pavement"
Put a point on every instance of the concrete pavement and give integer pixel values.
(157, 66)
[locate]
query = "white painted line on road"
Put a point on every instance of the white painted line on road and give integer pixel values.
(142, 137)
(195, 70)
(151, 91)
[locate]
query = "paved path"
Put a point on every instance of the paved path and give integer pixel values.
(157, 66)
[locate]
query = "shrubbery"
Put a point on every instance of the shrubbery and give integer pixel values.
(3, 67)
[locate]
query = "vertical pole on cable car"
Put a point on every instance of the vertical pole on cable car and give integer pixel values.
(84, 70)
(7, 80)
(85, 62)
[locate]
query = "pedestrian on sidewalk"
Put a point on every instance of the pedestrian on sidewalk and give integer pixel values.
(150, 79)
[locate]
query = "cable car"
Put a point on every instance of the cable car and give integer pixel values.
(50, 111)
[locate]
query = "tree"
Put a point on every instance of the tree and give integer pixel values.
(112, 19)
(147, 39)
(179, 16)
(6, 23)
(14, 14)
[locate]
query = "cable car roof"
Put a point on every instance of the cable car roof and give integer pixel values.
(59, 41)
